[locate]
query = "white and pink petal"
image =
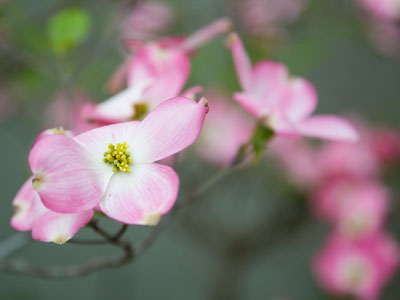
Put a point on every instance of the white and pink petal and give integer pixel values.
(141, 196)
(171, 127)
(59, 228)
(63, 175)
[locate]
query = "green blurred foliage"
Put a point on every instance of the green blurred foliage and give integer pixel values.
(67, 29)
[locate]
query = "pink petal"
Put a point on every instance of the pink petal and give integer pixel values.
(166, 69)
(241, 60)
(142, 195)
(171, 127)
(206, 34)
(270, 80)
(300, 100)
(59, 228)
(252, 104)
(65, 179)
(328, 127)
(28, 207)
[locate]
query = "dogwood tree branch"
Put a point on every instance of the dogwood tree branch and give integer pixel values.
(20, 267)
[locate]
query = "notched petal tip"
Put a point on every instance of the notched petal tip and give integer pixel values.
(231, 39)
(37, 181)
(152, 219)
(61, 239)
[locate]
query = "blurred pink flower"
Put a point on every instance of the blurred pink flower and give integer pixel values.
(357, 268)
(356, 208)
(298, 161)
(96, 168)
(285, 103)
(224, 131)
(387, 10)
(158, 71)
(267, 17)
(147, 20)
(345, 160)
(385, 144)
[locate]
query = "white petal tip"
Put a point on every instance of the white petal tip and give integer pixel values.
(152, 219)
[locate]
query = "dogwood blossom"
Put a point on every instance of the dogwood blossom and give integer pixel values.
(158, 71)
(114, 167)
(357, 268)
(356, 208)
(285, 103)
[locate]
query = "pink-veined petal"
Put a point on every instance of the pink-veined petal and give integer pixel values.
(142, 195)
(299, 101)
(328, 127)
(59, 228)
(171, 127)
(63, 175)
(241, 60)
(28, 207)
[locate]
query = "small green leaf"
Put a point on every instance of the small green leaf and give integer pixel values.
(67, 29)
(262, 134)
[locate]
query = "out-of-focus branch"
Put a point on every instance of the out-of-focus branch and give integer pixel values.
(19, 267)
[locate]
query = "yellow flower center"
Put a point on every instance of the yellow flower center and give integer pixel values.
(119, 157)
(141, 110)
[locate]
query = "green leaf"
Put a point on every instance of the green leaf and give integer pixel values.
(67, 29)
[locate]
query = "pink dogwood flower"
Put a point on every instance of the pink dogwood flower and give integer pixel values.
(285, 103)
(356, 208)
(158, 71)
(226, 129)
(114, 167)
(357, 268)
(46, 225)
(344, 160)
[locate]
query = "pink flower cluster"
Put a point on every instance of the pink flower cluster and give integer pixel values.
(270, 95)
(112, 164)
(113, 169)
(343, 181)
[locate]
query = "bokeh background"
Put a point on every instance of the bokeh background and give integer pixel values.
(327, 43)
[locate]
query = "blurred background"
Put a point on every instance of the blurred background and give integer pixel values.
(338, 45)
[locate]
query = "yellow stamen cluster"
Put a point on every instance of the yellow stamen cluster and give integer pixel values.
(119, 157)
(141, 110)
